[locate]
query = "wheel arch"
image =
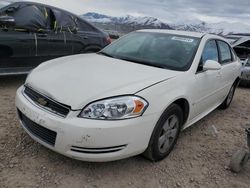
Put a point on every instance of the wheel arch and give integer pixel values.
(237, 81)
(184, 104)
(92, 48)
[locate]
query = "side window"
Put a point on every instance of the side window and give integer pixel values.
(225, 52)
(64, 21)
(82, 26)
(210, 52)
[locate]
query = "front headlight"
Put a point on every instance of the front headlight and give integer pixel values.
(116, 108)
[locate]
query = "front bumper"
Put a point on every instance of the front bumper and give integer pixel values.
(89, 140)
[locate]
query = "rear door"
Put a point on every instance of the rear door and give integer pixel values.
(93, 40)
(229, 65)
(64, 40)
(50, 42)
(57, 37)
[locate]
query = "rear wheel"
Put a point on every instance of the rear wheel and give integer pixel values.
(165, 134)
(226, 103)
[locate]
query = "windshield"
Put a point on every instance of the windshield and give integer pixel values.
(4, 4)
(167, 51)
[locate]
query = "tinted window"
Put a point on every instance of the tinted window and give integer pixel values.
(82, 26)
(64, 21)
(225, 52)
(155, 49)
(210, 52)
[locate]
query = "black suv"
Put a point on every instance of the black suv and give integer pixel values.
(31, 33)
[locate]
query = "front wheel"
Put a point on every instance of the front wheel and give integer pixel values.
(165, 134)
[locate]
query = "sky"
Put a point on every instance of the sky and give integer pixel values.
(170, 11)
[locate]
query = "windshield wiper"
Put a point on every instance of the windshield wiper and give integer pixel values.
(106, 54)
(143, 62)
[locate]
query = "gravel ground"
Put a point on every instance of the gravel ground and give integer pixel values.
(199, 160)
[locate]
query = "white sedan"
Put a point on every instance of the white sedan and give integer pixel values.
(133, 97)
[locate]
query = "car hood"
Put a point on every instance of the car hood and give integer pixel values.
(80, 79)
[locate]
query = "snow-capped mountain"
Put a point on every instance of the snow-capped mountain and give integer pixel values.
(223, 28)
(128, 20)
(130, 23)
(229, 28)
(195, 25)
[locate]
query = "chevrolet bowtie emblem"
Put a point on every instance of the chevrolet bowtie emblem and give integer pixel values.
(42, 101)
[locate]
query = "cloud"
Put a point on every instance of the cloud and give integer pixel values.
(167, 10)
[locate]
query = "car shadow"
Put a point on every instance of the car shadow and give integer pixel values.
(12, 80)
(244, 86)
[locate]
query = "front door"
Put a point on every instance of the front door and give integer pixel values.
(207, 83)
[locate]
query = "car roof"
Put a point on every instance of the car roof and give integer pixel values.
(53, 7)
(185, 33)
(42, 4)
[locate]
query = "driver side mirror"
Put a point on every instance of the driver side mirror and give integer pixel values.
(7, 21)
(211, 65)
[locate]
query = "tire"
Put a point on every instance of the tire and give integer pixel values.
(165, 134)
(238, 161)
(226, 103)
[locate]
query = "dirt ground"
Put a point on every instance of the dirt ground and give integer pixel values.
(199, 160)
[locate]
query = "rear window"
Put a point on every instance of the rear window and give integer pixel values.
(83, 26)
(64, 20)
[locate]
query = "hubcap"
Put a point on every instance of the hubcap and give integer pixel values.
(168, 133)
(230, 95)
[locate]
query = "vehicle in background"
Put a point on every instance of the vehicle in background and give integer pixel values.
(245, 73)
(243, 61)
(31, 33)
(133, 97)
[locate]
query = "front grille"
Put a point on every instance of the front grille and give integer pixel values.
(47, 103)
(97, 150)
(38, 131)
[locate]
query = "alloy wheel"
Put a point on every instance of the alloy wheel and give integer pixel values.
(168, 133)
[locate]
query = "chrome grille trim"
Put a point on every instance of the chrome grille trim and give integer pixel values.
(51, 105)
